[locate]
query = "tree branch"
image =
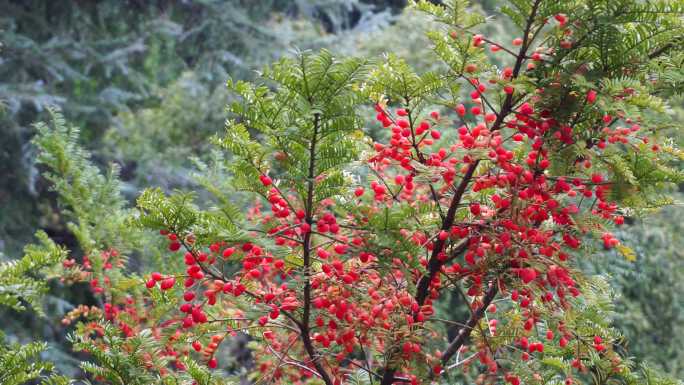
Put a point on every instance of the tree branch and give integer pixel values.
(306, 313)
(473, 320)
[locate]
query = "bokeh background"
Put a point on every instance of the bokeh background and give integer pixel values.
(145, 81)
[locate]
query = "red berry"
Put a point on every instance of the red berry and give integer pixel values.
(228, 252)
(255, 273)
(528, 275)
(265, 180)
(561, 18)
(212, 363)
(460, 110)
(168, 283)
(189, 259)
(422, 127)
(174, 246)
(340, 249)
(591, 96)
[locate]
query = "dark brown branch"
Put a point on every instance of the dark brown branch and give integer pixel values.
(661, 50)
(306, 312)
(472, 322)
(434, 264)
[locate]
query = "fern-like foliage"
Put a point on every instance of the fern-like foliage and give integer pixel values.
(91, 200)
(20, 282)
(119, 360)
(178, 213)
(21, 364)
(128, 348)
(309, 118)
(137, 360)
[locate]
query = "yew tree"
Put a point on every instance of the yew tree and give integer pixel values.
(375, 225)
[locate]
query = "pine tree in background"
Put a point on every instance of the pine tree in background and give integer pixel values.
(101, 62)
(339, 254)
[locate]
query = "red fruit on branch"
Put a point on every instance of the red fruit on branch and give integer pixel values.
(265, 180)
(591, 96)
(460, 110)
(174, 246)
(212, 363)
(167, 283)
(561, 18)
(528, 275)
